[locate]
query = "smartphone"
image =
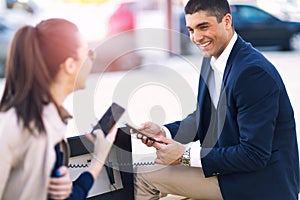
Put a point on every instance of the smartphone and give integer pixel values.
(109, 119)
(143, 134)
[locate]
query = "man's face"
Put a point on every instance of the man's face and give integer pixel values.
(209, 35)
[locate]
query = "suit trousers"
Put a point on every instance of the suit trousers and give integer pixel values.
(190, 182)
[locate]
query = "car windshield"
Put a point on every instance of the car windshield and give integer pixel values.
(251, 14)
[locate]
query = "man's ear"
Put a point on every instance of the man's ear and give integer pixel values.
(228, 20)
(69, 65)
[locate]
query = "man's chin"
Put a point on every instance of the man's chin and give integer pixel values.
(206, 54)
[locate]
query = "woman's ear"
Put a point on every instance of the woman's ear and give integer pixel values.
(69, 65)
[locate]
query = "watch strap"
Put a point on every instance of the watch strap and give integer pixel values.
(185, 159)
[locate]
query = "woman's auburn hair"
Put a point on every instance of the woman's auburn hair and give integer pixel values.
(32, 64)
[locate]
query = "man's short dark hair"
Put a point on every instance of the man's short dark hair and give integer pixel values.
(217, 8)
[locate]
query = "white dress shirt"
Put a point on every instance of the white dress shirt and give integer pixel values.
(218, 66)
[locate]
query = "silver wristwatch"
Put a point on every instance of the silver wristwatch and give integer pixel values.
(185, 159)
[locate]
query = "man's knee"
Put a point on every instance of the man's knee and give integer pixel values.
(144, 187)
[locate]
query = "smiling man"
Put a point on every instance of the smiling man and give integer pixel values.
(244, 121)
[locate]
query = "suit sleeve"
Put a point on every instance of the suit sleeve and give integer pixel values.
(185, 131)
(81, 186)
(256, 96)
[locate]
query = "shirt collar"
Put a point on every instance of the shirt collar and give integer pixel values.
(220, 63)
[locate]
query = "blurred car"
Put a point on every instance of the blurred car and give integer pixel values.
(283, 9)
(122, 19)
(13, 14)
(260, 28)
(6, 34)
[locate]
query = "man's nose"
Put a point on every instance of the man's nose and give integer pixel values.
(197, 36)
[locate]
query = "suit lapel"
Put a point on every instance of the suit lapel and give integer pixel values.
(203, 89)
(205, 104)
(203, 108)
(222, 103)
(236, 47)
(205, 68)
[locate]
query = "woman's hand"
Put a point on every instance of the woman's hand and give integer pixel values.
(102, 147)
(60, 187)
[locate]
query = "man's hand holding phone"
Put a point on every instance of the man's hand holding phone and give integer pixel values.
(149, 133)
(168, 150)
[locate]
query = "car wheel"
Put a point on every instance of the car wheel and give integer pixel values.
(295, 41)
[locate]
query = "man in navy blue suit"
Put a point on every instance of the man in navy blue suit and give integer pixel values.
(244, 121)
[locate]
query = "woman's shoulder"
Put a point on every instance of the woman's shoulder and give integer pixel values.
(14, 139)
(10, 126)
(9, 118)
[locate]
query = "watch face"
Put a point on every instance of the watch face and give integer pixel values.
(185, 159)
